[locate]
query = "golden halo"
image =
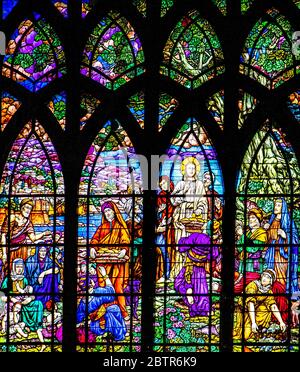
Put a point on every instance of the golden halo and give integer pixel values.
(190, 160)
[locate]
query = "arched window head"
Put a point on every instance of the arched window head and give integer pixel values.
(33, 166)
(268, 53)
(34, 55)
(193, 53)
(113, 54)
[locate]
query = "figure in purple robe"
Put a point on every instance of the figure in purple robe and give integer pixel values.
(43, 275)
(191, 281)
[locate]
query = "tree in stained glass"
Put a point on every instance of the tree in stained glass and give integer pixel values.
(246, 104)
(7, 6)
(193, 52)
(294, 104)
(222, 5)
(215, 105)
(62, 6)
(110, 241)
(32, 236)
(136, 106)
(113, 54)
(34, 55)
(57, 105)
(188, 244)
(267, 56)
(88, 105)
(167, 107)
(267, 244)
(9, 106)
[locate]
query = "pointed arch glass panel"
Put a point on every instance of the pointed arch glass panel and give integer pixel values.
(110, 245)
(113, 54)
(267, 245)
(193, 53)
(268, 54)
(34, 55)
(188, 244)
(32, 237)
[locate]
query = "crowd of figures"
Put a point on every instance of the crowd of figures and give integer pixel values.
(267, 264)
(188, 250)
(31, 281)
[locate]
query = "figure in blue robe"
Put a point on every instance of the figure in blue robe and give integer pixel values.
(41, 266)
(102, 300)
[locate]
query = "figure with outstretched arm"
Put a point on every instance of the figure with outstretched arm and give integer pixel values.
(18, 230)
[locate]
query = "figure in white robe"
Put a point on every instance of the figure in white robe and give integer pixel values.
(191, 202)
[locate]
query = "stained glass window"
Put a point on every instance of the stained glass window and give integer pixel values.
(32, 237)
(193, 52)
(267, 56)
(110, 244)
(34, 56)
(149, 176)
(189, 239)
(267, 238)
(113, 54)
